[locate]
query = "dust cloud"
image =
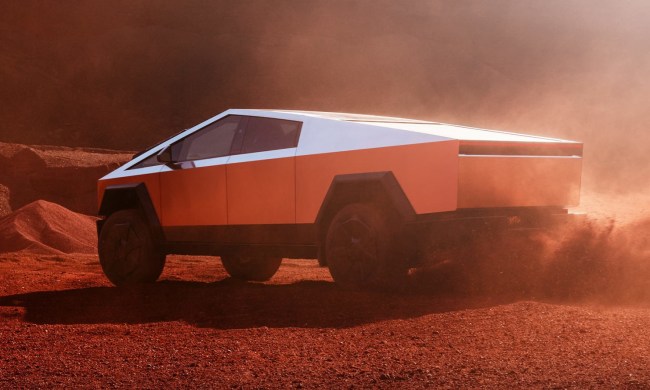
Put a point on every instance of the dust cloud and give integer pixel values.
(586, 261)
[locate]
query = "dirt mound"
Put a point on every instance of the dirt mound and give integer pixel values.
(47, 228)
(63, 175)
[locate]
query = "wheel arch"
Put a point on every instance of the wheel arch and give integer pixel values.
(378, 187)
(130, 196)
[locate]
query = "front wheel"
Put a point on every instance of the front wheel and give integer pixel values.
(258, 268)
(127, 251)
(363, 247)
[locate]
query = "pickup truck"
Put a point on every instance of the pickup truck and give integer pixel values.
(256, 186)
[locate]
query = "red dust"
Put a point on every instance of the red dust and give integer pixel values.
(591, 260)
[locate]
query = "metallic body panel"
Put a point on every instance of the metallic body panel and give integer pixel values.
(262, 192)
(327, 136)
(518, 181)
(427, 172)
(194, 196)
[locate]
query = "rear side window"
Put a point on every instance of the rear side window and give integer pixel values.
(212, 141)
(264, 134)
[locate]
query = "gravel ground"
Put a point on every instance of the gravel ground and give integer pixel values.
(63, 325)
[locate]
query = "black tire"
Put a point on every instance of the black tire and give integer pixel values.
(127, 251)
(363, 246)
(258, 268)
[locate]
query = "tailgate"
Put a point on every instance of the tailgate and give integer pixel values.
(519, 174)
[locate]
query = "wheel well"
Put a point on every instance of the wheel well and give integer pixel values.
(381, 188)
(130, 196)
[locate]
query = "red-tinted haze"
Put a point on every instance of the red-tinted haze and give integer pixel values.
(126, 74)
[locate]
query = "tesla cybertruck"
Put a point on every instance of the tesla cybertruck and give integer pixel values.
(353, 191)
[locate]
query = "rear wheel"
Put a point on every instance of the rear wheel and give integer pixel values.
(363, 247)
(127, 251)
(254, 268)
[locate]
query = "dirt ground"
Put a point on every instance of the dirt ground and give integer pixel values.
(556, 312)
(63, 325)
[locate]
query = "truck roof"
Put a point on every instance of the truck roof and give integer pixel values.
(465, 134)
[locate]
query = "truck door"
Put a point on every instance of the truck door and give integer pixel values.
(261, 173)
(193, 188)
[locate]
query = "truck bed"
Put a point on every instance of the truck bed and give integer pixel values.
(502, 169)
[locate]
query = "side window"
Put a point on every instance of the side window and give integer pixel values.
(264, 134)
(214, 140)
(147, 162)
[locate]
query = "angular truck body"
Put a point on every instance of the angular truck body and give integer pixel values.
(254, 186)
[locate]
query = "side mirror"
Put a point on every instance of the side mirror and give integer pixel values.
(165, 155)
